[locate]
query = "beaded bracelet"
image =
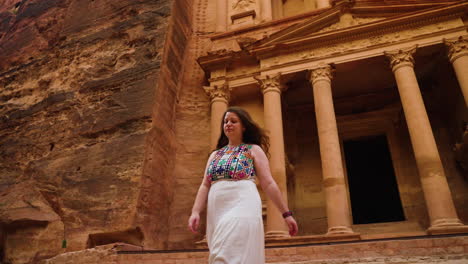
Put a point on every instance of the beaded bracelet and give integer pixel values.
(287, 213)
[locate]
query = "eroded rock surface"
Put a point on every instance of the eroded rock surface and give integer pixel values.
(77, 86)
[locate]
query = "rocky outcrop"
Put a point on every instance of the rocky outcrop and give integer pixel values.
(25, 211)
(78, 80)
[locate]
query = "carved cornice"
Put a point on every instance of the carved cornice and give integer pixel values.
(345, 6)
(401, 57)
(320, 21)
(314, 46)
(375, 44)
(321, 73)
(291, 42)
(354, 22)
(250, 13)
(218, 92)
(245, 42)
(270, 83)
(372, 7)
(220, 52)
(457, 48)
(219, 58)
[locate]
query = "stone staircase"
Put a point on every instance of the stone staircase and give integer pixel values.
(454, 259)
(433, 250)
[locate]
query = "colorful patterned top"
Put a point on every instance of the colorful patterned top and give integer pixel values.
(232, 163)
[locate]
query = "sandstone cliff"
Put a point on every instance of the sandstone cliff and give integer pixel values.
(77, 86)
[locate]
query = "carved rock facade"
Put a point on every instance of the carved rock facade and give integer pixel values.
(105, 118)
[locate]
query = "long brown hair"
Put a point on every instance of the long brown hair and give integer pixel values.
(252, 134)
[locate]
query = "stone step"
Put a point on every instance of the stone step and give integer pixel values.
(451, 259)
(387, 230)
(433, 250)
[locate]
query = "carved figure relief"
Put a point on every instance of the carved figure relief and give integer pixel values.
(352, 22)
(243, 5)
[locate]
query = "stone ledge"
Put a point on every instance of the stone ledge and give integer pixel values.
(432, 249)
(453, 259)
(298, 240)
(313, 239)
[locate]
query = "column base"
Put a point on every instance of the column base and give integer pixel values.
(276, 234)
(339, 230)
(202, 244)
(447, 226)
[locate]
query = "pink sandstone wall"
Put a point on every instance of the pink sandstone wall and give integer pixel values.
(78, 81)
(158, 197)
(191, 130)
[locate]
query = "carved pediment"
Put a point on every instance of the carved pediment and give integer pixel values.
(346, 21)
(309, 26)
(349, 21)
(352, 18)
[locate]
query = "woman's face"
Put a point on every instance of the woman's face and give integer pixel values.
(233, 127)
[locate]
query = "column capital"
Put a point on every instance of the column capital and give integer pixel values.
(218, 92)
(321, 73)
(401, 57)
(270, 83)
(457, 48)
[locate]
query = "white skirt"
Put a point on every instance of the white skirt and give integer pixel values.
(234, 223)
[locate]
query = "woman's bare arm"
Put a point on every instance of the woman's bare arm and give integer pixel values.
(200, 200)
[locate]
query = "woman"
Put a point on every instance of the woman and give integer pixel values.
(234, 221)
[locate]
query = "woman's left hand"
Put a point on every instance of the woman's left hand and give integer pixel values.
(193, 222)
(293, 229)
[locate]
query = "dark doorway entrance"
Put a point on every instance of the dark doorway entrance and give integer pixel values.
(372, 183)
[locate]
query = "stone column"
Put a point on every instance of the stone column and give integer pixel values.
(271, 89)
(219, 95)
(221, 15)
(323, 3)
(439, 201)
(338, 209)
(277, 9)
(458, 54)
(266, 10)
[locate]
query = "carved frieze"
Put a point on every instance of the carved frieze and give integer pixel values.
(270, 83)
(457, 48)
(218, 91)
(245, 41)
(348, 23)
(350, 46)
(401, 57)
(217, 73)
(219, 52)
